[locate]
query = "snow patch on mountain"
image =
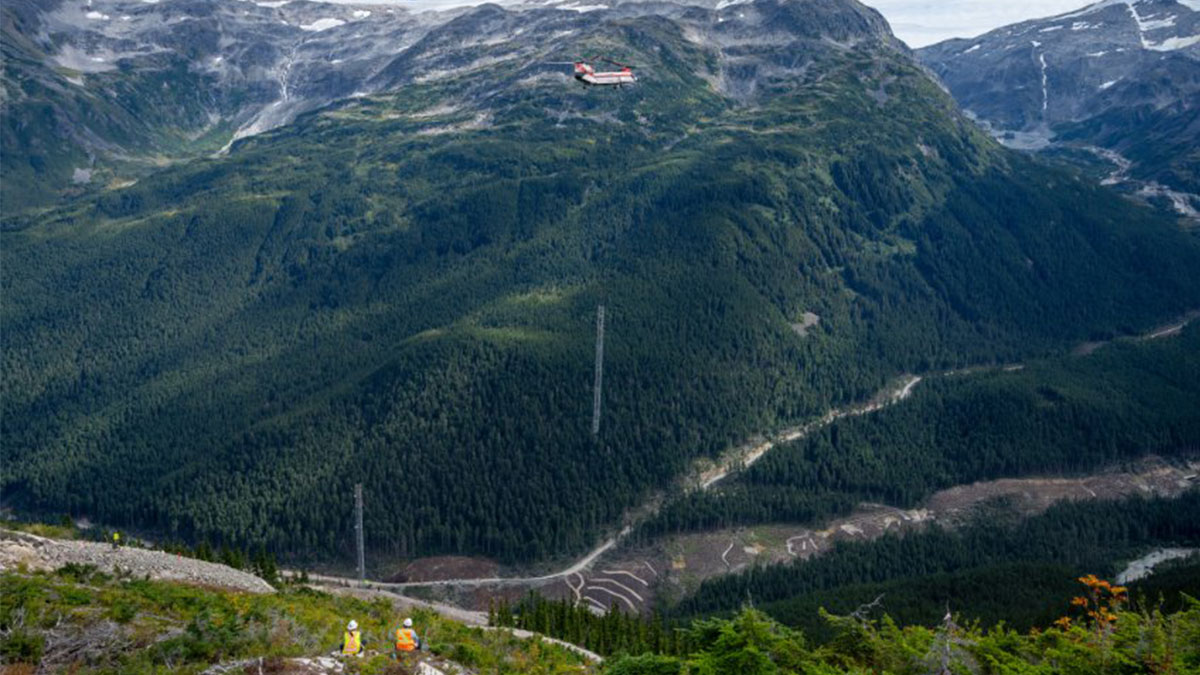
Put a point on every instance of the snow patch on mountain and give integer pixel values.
(322, 24)
(74, 58)
(1174, 43)
(1045, 83)
(1155, 24)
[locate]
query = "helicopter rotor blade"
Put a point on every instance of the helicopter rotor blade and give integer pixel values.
(617, 63)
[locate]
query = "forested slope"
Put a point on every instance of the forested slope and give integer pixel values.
(1063, 415)
(401, 291)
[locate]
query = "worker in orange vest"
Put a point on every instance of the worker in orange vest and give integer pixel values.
(406, 638)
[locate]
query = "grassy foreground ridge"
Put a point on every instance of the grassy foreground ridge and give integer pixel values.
(81, 621)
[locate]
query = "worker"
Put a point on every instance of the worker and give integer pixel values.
(406, 638)
(352, 644)
(116, 540)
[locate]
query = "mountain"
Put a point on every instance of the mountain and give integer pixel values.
(400, 289)
(103, 92)
(1120, 78)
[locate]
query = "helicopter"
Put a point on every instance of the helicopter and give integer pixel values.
(586, 73)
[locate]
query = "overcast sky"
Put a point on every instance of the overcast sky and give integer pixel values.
(923, 22)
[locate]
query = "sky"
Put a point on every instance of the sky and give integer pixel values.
(923, 22)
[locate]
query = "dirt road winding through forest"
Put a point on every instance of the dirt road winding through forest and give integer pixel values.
(704, 478)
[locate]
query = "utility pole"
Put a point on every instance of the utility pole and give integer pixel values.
(599, 370)
(358, 534)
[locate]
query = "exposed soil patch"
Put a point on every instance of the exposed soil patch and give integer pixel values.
(636, 579)
(446, 567)
(681, 563)
(807, 321)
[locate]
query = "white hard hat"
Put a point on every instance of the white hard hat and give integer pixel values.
(352, 625)
(408, 623)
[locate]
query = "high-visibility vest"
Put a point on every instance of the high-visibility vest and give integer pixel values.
(406, 639)
(351, 642)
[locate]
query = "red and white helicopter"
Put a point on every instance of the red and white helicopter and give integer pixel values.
(586, 73)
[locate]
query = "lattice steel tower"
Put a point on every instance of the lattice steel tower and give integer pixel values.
(599, 370)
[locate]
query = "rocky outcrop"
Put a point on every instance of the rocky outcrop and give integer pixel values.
(321, 665)
(18, 549)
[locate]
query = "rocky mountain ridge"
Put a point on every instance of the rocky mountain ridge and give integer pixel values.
(105, 90)
(1119, 79)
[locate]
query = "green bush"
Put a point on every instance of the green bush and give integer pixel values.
(22, 646)
(751, 643)
(645, 664)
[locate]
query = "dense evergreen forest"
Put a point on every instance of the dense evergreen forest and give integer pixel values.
(1060, 415)
(991, 570)
(219, 352)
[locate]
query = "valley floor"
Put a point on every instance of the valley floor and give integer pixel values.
(634, 577)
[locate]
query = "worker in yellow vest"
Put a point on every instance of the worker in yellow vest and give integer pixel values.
(116, 540)
(406, 638)
(352, 644)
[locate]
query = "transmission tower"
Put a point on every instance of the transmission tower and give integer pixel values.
(358, 534)
(599, 370)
